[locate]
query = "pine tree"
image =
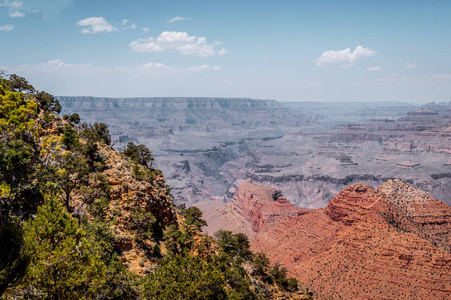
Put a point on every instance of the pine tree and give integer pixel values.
(62, 264)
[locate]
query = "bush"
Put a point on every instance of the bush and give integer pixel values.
(70, 137)
(48, 103)
(140, 154)
(142, 223)
(62, 265)
(185, 278)
(234, 245)
(98, 132)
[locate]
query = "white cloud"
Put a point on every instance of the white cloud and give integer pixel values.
(12, 8)
(7, 27)
(52, 64)
(178, 42)
(199, 68)
(343, 57)
(16, 14)
(203, 68)
(436, 77)
(409, 65)
(126, 27)
(145, 29)
(155, 66)
(95, 25)
(176, 19)
(16, 4)
(374, 68)
(56, 66)
(222, 51)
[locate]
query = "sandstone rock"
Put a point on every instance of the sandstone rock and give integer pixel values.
(389, 243)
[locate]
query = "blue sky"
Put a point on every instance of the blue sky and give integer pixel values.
(364, 50)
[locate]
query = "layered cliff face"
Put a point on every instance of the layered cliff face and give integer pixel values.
(310, 168)
(310, 151)
(389, 243)
(191, 138)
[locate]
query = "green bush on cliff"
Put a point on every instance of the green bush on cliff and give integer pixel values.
(187, 277)
(63, 264)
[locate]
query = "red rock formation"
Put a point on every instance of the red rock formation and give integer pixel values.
(262, 206)
(389, 243)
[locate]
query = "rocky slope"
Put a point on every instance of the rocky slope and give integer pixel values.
(389, 243)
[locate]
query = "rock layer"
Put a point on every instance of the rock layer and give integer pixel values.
(389, 243)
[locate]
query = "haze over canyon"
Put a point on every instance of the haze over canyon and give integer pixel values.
(308, 150)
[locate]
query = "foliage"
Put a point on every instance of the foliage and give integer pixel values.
(19, 153)
(99, 208)
(119, 283)
(71, 172)
(13, 262)
(193, 217)
(279, 276)
(140, 154)
(260, 266)
(234, 245)
(73, 118)
(20, 84)
(70, 137)
(178, 243)
(187, 277)
(63, 265)
(48, 103)
(143, 224)
(98, 132)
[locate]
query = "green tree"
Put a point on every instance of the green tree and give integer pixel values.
(98, 132)
(20, 84)
(48, 103)
(185, 278)
(260, 266)
(193, 217)
(19, 153)
(234, 245)
(63, 265)
(279, 276)
(13, 262)
(71, 172)
(70, 137)
(177, 242)
(140, 154)
(142, 223)
(73, 118)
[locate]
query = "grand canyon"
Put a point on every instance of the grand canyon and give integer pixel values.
(352, 199)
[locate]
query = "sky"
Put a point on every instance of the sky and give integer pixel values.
(288, 50)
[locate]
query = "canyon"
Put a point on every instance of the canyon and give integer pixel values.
(298, 178)
(389, 243)
(309, 150)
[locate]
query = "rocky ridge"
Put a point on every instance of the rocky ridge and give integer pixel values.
(388, 243)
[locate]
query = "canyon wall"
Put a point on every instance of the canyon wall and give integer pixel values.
(388, 243)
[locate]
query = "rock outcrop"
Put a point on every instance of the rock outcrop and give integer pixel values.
(388, 243)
